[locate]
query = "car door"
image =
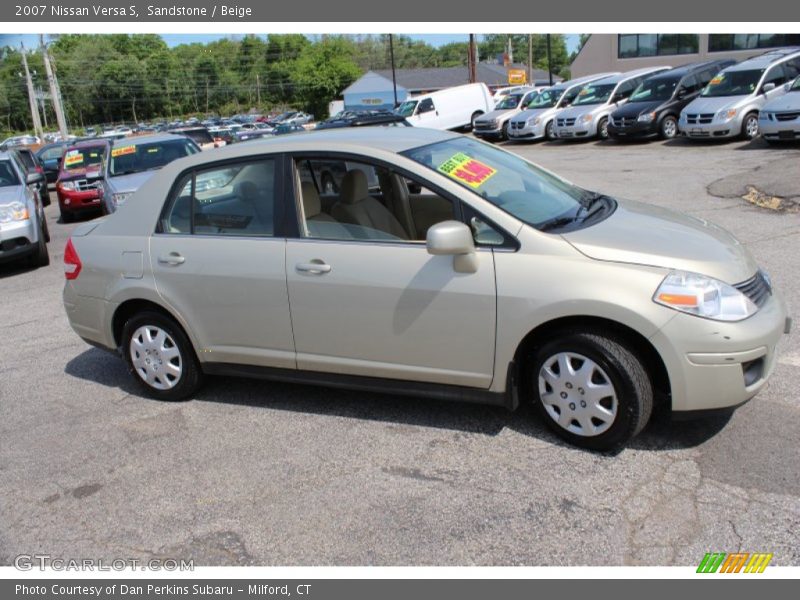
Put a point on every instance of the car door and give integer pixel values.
(219, 262)
(373, 303)
(427, 115)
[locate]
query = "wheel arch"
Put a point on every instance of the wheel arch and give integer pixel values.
(637, 342)
(130, 307)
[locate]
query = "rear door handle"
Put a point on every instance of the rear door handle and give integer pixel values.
(173, 258)
(315, 267)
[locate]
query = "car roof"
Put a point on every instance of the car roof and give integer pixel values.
(764, 60)
(684, 70)
(88, 143)
(627, 75)
(145, 139)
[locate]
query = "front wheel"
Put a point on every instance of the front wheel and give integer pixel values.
(590, 389)
(40, 256)
(475, 116)
(750, 127)
(160, 357)
(602, 128)
(548, 132)
(669, 127)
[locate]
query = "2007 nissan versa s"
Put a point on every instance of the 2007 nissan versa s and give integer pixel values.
(443, 267)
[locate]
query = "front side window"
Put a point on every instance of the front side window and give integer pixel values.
(733, 83)
(127, 159)
(231, 200)
(514, 185)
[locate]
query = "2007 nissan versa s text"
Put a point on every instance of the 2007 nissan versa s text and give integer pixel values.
(443, 267)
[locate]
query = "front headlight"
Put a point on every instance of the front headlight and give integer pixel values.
(726, 115)
(68, 185)
(15, 211)
(118, 199)
(537, 120)
(587, 118)
(647, 117)
(704, 297)
(494, 123)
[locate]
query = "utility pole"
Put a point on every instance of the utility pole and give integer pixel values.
(472, 60)
(40, 97)
(37, 124)
(549, 61)
(258, 90)
(54, 91)
(530, 59)
(394, 75)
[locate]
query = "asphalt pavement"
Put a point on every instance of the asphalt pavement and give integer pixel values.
(252, 472)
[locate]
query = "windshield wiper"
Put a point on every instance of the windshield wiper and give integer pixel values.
(557, 222)
(592, 204)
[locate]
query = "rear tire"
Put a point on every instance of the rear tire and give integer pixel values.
(590, 389)
(160, 357)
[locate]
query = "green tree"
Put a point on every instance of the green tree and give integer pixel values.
(323, 70)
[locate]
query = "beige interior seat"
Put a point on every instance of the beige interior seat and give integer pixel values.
(357, 207)
(318, 223)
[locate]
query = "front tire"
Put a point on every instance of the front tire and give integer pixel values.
(590, 389)
(602, 128)
(473, 118)
(40, 257)
(549, 135)
(668, 128)
(160, 357)
(750, 126)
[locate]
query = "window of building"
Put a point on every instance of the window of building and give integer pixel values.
(725, 42)
(635, 45)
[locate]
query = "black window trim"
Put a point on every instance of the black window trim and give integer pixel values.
(292, 199)
(277, 199)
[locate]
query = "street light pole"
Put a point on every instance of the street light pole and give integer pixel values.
(394, 75)
(54, 91)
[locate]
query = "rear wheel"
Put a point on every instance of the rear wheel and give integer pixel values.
(160, 357)
(668, 128)
(590, 389)
(750, 126)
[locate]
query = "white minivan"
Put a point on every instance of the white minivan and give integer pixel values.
(451, 108)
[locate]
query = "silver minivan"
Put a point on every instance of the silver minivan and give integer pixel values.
(589, 113)
(494, 125)
(729, 105)
(537, 120)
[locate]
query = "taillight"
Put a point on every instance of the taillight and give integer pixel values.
(72, 262)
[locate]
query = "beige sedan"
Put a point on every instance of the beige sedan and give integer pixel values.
(437, 266)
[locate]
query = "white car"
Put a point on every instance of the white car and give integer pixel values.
(779, 119)
(452, 108)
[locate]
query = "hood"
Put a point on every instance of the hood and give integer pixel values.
(128, 183)
(634, 109)
(530, 113)
(497, 114)
(789, 101)
(713, 105)
(649, 235)
(11, 193)
(79, 173)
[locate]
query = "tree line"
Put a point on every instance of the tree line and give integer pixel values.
(130, 78)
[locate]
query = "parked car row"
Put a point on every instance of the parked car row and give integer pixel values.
(705, 100)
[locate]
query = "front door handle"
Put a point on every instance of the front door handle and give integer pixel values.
(173, 258)
(315, 267)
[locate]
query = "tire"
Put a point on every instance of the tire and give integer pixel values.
(504, 133)
(40, 256)
(749, 129)
(599, 420)
(548, 132)
(668, 128)
(45, 229)
(602, 128)
(148, 354)
(474, 116)
(66, 217)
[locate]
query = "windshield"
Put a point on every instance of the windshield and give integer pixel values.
(516, 186)
(8, 177)
(546, 99)
(128, 159)
(733, 83)
(795, 86)
(406, 109)
(509, 101)
(201, 136)
(81, 158)
(594, 94)
(654, 89)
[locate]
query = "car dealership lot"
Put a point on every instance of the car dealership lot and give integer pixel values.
(255, 472)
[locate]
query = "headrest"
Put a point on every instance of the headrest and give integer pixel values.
(354, 187)
(246, 190)
(311, 204)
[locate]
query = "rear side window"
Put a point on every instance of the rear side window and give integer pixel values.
(231, 200)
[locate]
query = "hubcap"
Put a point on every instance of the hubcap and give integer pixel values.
(155, 357)
(752, 127)
(669, 128)
(577, 394)
(604, 129)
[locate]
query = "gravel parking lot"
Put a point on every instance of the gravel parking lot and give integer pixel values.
(252, 472)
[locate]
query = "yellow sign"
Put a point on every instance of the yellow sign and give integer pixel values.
(122, 151)
(73, 158)
(467, 170)
(517, 76)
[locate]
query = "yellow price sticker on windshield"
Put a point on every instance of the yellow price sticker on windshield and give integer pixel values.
(122, 151)
(717, 80)
(73, 159)
(467, 170)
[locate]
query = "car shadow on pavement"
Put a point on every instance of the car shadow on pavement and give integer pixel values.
(108, 370)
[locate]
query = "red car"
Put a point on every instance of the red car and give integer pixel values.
(79, 178)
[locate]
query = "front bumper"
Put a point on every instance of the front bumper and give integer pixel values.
(714, 365)
(17, 239)
(74, 201)
(635, 130)
(577, 131)
(524, 131)
(773, 129)
(494, 133)
(713, 130)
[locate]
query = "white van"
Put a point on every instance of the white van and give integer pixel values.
(452, 108)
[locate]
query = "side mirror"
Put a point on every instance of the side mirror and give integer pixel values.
(33, 178)
(453, 238)
(768, 87)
